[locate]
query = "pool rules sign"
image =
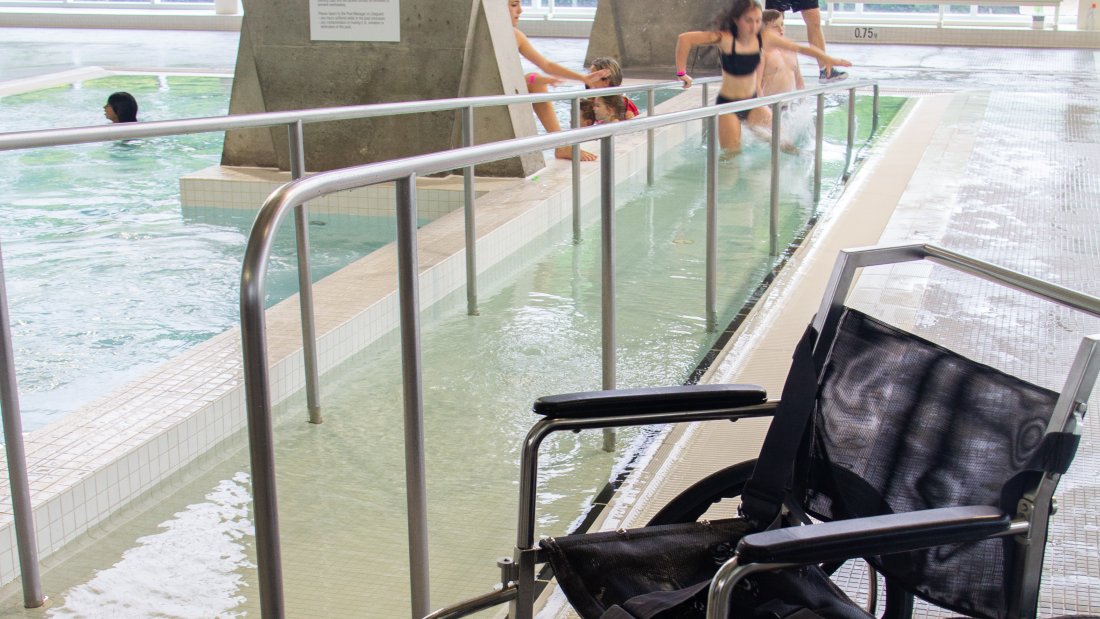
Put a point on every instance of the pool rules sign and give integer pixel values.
(355, 20)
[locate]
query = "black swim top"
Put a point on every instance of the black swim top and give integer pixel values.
(741, 64)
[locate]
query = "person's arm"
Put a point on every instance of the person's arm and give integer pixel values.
(760, 75)
(529, 52)
(773, 40)
(684, 43)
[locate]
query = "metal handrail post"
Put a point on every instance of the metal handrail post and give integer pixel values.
(874, 109)
(706, 102)
(650, 173)
(412, 387)
(819, 142)
(305, 277)
(607, 231)
(261, 440)
(851, 130)
(575, 170)
(470, 219)
(773, 212)
(21, 508)
(711, 293)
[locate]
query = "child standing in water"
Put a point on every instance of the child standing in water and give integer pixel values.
(781, 73)
(741, 46)
(539, 83)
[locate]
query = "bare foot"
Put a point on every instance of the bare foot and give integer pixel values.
(566, 152)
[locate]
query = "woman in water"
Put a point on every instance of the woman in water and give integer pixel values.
(121, 108)
(741, 45)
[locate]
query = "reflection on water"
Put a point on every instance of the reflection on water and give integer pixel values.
(206, 545)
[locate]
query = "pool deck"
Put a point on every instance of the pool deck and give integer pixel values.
(1000, 163)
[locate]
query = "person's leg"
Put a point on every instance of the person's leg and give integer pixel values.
(812, 18)
(545, 113)
(729, 134)
(759, 120)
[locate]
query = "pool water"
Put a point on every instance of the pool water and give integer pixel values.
(106, 276)
(341, 484)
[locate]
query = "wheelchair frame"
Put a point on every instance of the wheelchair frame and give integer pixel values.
(843, 539)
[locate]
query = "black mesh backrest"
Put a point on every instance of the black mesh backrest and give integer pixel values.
(903, 424)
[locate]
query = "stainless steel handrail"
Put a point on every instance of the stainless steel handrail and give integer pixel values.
(405, 171)
(294, 120)
(126, 131)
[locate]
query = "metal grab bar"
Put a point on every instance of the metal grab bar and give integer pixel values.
(405, 171)
(18, 140)
(294, 120)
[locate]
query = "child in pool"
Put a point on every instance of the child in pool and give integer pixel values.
(781, 73)
(613, 78)
(609, 109)
(741, 47)
(121, 107)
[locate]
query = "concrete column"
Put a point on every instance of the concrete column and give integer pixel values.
(448, 48)
(641, 34)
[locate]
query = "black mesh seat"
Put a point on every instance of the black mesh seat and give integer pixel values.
(937, 470)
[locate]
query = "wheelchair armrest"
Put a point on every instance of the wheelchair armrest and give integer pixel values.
(873, 536)
(684, 398)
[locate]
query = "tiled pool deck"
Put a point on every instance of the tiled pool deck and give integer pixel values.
(1000, 160)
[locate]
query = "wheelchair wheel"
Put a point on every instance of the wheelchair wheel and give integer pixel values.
(692, 503)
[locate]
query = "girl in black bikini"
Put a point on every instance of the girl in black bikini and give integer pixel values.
(740, 44)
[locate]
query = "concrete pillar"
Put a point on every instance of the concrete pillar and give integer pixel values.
(641, 34)
(448, 48)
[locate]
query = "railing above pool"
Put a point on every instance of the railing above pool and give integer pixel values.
(404, 172)
(293, 120)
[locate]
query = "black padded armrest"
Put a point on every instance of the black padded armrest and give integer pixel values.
(873, 536)
(685, 398)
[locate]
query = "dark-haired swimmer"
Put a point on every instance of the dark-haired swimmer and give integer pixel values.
(741, 45)
(121, 107)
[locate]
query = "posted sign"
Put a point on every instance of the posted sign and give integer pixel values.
(355, 20)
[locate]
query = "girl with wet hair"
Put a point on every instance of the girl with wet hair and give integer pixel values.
(121, 107)
(614, 78)
(741, 46)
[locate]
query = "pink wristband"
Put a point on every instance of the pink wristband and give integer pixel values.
(681, 73)
(531, 78)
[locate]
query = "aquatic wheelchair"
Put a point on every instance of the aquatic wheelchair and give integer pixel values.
(936, 470)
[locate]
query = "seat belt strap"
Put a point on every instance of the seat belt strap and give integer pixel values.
(766, 490)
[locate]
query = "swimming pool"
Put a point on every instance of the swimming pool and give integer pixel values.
(342, 483)
(106, 276)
